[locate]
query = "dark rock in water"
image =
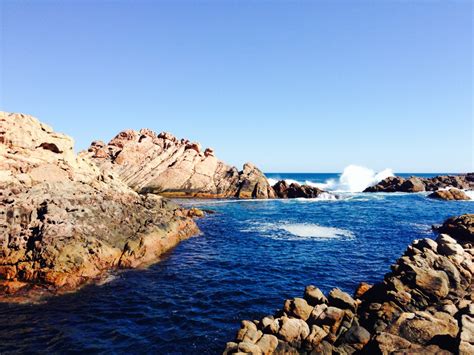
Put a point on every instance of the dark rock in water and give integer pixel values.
(413, 184)
(417, 184)
(451, 194)
(461, 228)
(294, 190)
(423, 306)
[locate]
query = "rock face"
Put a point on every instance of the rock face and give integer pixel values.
(451, 194)
(294, 190)
(415, 184)
(160, 163)
(425, 305)
(64, 222)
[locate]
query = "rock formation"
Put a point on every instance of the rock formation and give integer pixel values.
(64, 222)
(423, 306)
(449, 194)
(418, 184)
(294, 190)
(160, 163)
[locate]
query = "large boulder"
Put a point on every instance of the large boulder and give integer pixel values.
(294, 190)
(461, 228)
(449, 195)
(59, 213)
(163, 164)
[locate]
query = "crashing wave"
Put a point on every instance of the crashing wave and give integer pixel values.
(354, 178)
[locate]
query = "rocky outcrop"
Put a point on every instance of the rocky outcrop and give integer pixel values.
(417, 184)
(163, 164)
(64, 222)
(461, 228)
(424, 305)
(294, 190)
(449, 194)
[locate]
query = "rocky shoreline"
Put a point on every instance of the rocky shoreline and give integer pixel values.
(64, 222)
(67, 219)
(424, 305)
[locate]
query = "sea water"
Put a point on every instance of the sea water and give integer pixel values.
(250, 256)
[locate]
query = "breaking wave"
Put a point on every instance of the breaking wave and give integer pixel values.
(354, 178)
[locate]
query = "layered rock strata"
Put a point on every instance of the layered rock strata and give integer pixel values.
(163, 164)
(418, 184)
(423, 306)
(64, 222)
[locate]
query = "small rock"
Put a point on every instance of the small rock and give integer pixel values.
(314, 295)
(298, 307)
(267, 343)
(340, 299)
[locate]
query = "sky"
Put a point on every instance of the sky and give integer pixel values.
(292, 86)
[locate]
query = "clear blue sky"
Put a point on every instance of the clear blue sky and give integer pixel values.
(290, 85)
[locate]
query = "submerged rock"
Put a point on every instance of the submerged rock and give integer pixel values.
(64, 222)
(424, 305)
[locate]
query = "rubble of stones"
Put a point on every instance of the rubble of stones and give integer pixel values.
(423, 306)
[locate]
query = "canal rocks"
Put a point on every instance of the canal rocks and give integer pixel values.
(64, 222)
(418, 184)
(163, 164)
(449, 194)
(294, 190)
(424, 305)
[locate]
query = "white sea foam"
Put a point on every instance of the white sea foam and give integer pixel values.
(357, 178)
(307, 230)
(296, 231)
(470, 193)
(354, 178)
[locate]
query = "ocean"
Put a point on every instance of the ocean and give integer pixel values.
(250, 257)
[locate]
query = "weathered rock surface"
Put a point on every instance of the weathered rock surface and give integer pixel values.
(294, 190)
(423, 306)
(461, 228)
(163, 164)
(417, 184)
(64, 222)
(450, 194)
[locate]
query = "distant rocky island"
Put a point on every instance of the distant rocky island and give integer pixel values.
(423, 306)
(445, 187)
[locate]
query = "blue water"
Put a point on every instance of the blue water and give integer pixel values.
(250, 257)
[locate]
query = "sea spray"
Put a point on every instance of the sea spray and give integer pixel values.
(354, 178)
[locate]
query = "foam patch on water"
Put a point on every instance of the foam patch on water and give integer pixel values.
(296, 231)
(308, 230)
